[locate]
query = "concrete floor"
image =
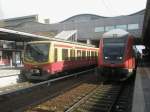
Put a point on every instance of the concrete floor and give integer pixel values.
(8, 76)
(141, 98)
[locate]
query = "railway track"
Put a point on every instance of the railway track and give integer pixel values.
(100, 100)
(19, 100)
(91, 97)
(124, 101)
(106, 98)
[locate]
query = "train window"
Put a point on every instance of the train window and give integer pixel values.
(112, 51)
(92, 54)
(78, 54)
(96, 54)
(64, 54)
(88, 54)
(72, 54)
(55, 55)
(84, 54)
(38, 52)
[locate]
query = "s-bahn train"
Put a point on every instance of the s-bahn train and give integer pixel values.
(116, 59)
(45, 59)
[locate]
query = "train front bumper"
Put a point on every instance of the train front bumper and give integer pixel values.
(36, 74)
(114, 72)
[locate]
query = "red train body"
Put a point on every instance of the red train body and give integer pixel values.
(116, 57)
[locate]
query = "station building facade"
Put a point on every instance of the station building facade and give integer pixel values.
(10, 53)
(89, 27)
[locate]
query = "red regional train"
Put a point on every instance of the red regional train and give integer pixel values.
(45, 59)
(116, 59)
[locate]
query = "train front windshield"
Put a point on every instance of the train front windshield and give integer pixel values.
(113, 50)
(37, 52)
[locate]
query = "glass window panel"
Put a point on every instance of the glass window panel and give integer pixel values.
(72, 54)
(78, 54)
(107, 28)
(99, 29)
(64, 54)
(133, 26)
(55, 54)
(92, 54)
(88, 55)
(124, 27)
(38, 52)
(83, 54)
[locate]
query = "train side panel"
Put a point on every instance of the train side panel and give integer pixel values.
(129, 61)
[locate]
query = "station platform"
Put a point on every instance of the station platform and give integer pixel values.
(9, 76)
(6, 72)
(141, 97)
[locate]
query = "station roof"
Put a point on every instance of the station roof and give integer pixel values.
(12, 35)
(65, 35)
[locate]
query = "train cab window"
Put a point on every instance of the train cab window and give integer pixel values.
(65, 54)
(78, 54)
(38, 52)
(83, 54)
(72, 54)
(55, 54)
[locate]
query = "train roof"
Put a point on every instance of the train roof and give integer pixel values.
(64, 41)
(115, 33)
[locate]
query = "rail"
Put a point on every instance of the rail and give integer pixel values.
(101, 99)
(107, 98)
(24, 97)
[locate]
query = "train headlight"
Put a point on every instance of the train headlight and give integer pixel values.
(119, 57)
(48, 71)
(106, 57)
(130, 70)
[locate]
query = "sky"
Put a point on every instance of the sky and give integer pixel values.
(59, 10)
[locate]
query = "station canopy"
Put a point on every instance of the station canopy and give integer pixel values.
(12, 35)
(65, 35)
